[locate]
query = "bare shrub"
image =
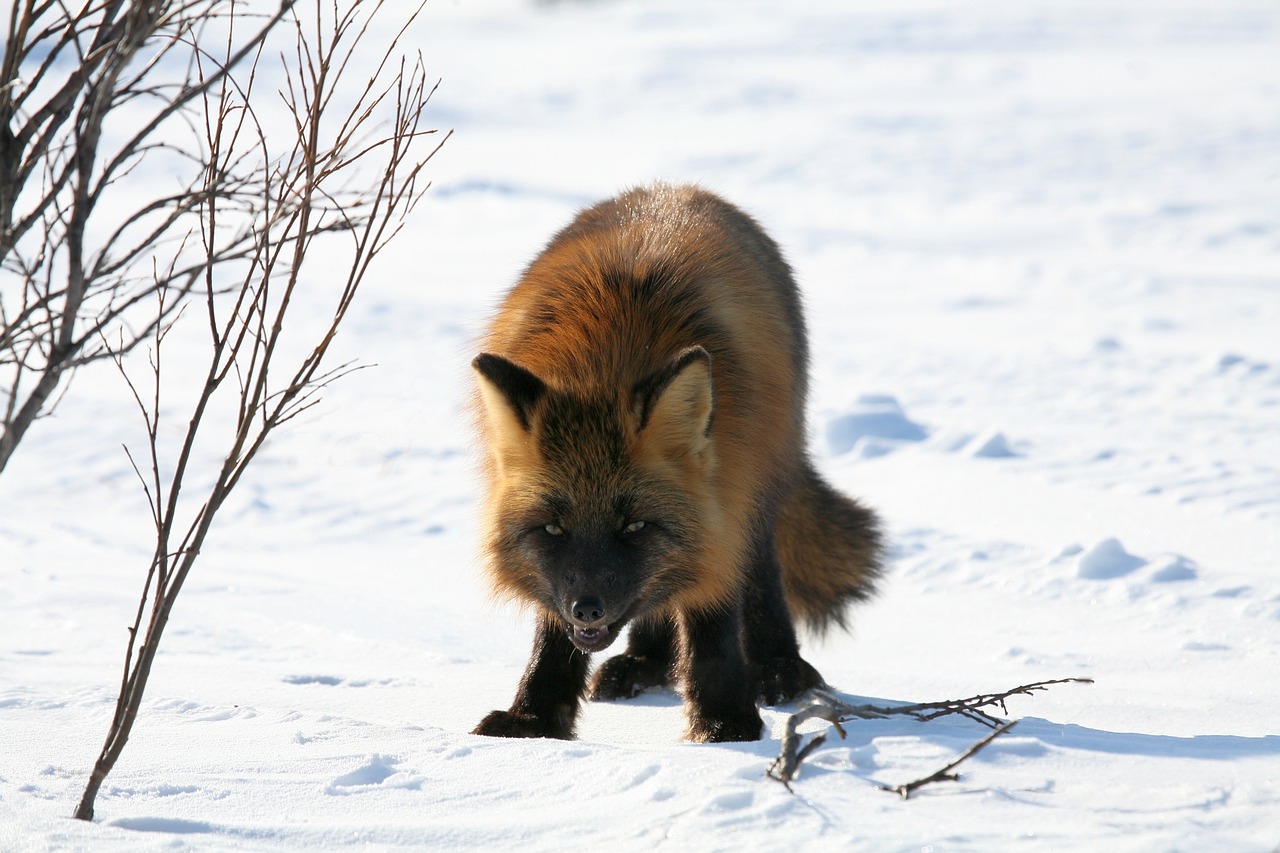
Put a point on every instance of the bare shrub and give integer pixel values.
(334, 176)
(88, 92)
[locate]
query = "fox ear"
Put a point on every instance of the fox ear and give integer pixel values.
(508, 393)
(676, 404)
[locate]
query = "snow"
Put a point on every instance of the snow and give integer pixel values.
(1106, 560)
(1040, 250)
(876, 425)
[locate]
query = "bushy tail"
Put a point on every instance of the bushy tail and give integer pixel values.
(830, 549)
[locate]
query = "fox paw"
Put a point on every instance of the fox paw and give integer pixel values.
(784, 679)
(509, 724)
(728, 729)
(625, 676)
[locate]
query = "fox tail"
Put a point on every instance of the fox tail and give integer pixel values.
(830, 548)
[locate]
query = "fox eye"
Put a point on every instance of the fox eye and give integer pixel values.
(634, 527)
(553, 529)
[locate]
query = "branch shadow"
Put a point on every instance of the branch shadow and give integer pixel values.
(1206, 746)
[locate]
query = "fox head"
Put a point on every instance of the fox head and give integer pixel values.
(601, 509)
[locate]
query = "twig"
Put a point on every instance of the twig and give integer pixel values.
(825, 705)
(944, 774)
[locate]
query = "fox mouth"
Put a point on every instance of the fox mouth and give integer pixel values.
(593, 639)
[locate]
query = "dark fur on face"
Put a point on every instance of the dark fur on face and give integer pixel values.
(591, 525)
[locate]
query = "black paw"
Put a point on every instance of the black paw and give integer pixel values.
(784, 679)
(625, 676)
(729, 729)
(508, 724)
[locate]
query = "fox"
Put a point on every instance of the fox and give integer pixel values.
(640, 400)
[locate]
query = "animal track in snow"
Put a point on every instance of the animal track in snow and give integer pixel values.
(326, 680)
(165, 825)
(730, 801)
(645, 775)
(377, 771)
(336, 681)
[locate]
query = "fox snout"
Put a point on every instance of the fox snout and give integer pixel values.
(587, 612)
(589, 623)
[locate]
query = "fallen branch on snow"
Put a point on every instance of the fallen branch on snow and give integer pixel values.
(944, 774)
(827, 706)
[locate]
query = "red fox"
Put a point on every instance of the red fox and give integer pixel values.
(642, 401)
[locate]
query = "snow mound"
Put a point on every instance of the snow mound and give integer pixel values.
(1107, 559)
(876, 425)
(1175, 568)
(990, 445)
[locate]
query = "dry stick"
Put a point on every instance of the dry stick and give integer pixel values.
(784, 767)
(827, 706)
(944, 774)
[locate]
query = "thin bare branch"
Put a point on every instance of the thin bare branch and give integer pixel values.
(825, 705)
(944, 773)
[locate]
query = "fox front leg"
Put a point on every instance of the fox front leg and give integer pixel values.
(719, 694)
(546, 703)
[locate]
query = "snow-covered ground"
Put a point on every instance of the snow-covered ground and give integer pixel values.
(1040, 248)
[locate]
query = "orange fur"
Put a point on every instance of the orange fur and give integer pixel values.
(568, 324)
(650, 368)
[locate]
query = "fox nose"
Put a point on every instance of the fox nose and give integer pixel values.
(588, 611)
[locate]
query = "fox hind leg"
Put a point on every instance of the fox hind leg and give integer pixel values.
(769, 633)
(647, 662)
(705, 652)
